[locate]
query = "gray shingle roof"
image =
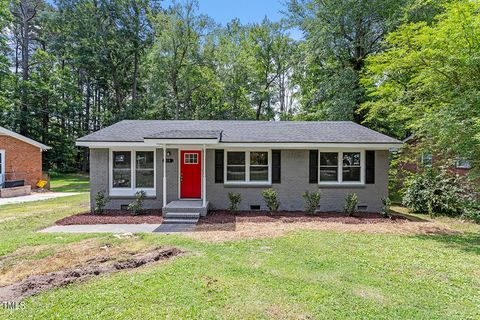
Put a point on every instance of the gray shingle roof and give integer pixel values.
(186, 134)
(240, 131)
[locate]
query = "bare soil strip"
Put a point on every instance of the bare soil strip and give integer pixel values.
(101, 265)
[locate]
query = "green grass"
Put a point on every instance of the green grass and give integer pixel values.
(72, 182)
(19, 222)
(306, 274)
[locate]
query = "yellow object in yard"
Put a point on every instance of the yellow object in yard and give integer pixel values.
(42, 183)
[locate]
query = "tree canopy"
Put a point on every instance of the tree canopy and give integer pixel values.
(70, 67)
(428, 81)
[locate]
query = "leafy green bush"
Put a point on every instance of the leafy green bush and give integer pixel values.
(136, 207)
(386, 208)
(351, 204)
(235, 199)
(435, 192)
(101, 201)
(270, 197)
(472, 211)
(312, 200)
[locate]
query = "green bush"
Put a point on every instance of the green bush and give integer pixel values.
(386, 208)
(101, 201)
(136, 207)
(235, 199)
(312, 201)
(472, 211)
(270, 197)
(351, 203)
(435, 192)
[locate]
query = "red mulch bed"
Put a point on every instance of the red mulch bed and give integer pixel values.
(113, 217)
(223, 216)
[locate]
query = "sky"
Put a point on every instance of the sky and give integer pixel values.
(248, 11)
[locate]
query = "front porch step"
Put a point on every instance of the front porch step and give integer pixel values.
(186, 207)
(182, 215)
(181, 210)
(180, 221)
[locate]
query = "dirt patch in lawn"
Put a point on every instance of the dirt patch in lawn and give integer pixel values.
(98, 266)
(221, 226)
(113, 217)
(40, 259)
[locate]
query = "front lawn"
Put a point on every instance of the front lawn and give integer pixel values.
(69, 182)
(299, 275)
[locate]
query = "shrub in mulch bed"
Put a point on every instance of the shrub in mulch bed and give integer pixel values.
(113, 217)
(222, 216)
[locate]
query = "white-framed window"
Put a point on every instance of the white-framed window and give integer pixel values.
(145, 169)
(462, 163)
(122, 170)
(341, 167)
(248, 167)
(131, 171)
(351, 167)
(329, 167)
(190, 158)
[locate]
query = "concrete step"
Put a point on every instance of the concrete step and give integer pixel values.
(182, 215)
(189, 206)
(182, 210)
(180, 221)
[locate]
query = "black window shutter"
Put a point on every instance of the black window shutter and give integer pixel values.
(276, 166)
(370, 167)
(219, 155)
(313, 167)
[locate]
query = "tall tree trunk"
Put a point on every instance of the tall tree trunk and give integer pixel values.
(259, 110)
(116, 87)
(86, 127)
(25, 12)
(25, 60)
(177, 99)
(135, 77)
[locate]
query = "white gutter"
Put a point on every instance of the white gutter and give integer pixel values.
(15, 135)
(214, 144)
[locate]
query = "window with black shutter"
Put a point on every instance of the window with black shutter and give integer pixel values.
(313, 167)
(276, 166)
(370, 167)
(219, 155)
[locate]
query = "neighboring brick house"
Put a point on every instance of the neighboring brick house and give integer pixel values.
(417, 158)
(20, 158)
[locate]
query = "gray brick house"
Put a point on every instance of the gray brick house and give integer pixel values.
(197, 163)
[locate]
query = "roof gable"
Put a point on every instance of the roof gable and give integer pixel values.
(6, 132)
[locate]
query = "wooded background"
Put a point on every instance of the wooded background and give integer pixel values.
(70, 67)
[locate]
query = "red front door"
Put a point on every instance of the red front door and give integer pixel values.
(191, 174)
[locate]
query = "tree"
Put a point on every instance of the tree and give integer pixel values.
(428, 82)
(26, 32)
(339, 36)
(5, 73)
(175, 59)
(271, 54)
